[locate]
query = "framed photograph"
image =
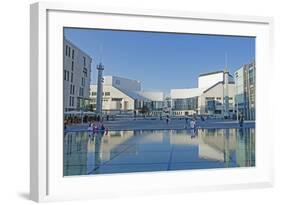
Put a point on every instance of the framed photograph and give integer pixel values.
(127, 102)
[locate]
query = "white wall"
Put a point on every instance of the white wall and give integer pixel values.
(14, 105)
(153, 96)
(209, 80)
(114, 93)
(186, 93)
(123, 83)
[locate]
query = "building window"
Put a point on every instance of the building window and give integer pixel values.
(64, 74)
(67, 75)
(83, 81)
(94, 93)
(70, 99)
(85, 71)
(107, 93)
(66, 50)
(81, 92)
(71, 79)
(69, 49)
(72, 65)
(84, 60)
(72, 53)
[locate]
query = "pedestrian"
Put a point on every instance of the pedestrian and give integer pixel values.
(167, 119)
(241, 119)
(192, 124)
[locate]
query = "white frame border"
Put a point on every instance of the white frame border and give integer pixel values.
(39, 78)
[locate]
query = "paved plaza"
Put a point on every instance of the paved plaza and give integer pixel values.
(157, 124)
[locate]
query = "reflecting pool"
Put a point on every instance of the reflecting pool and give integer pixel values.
(87, 153)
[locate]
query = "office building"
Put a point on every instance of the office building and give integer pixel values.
(245, 81)
(77, 77)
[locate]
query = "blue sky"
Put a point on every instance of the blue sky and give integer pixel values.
(161, 61)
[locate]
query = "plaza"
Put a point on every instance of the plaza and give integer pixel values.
(115, 121)
(157, 124)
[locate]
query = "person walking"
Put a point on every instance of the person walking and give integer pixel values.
(241, 119)
(167, 119)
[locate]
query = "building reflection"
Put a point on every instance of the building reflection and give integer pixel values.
(85, 152)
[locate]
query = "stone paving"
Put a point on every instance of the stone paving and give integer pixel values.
(157, 124)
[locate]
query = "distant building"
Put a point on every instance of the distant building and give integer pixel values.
(125, 95)
(208, 98)
(77, 77)
(245, 81)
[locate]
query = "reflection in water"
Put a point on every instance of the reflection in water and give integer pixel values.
(157, 150)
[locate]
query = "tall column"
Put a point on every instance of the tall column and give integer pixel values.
(100, 69)
(226, 97)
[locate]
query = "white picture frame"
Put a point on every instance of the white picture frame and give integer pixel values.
(46, 26)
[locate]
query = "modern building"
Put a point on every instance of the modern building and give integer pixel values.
(77, 77)
(122, 95)
(214, 96)
(245, 81)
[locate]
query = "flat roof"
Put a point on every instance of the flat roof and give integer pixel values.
(211, 73)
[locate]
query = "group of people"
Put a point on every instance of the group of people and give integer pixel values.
(97, 126)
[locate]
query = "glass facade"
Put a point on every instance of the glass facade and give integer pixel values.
(185, 104)
(245, 91)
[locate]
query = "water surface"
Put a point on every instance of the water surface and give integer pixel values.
(87, 153)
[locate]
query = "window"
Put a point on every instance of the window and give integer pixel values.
(69, 49)
(84, 60)
(64, 74)
(72, 53)
(71, 79)
(67, 75)
(94, 93)
(81, 92)
(85, 71)
(83, 81)
(70, 99)
(66, 49)
(72, 89)
(107, 93)
(72, 65)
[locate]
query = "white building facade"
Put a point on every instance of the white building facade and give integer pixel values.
(122, 95)
(77, 77)
(208, 99)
